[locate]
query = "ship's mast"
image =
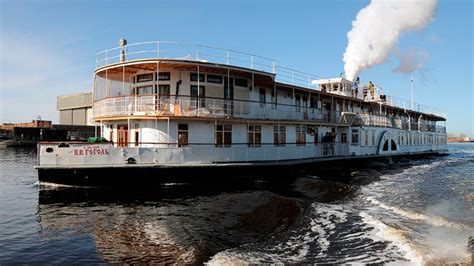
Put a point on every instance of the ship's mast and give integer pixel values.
(411, 93)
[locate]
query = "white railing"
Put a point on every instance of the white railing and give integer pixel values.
(107, 154)
(205, 53)
(154, 105)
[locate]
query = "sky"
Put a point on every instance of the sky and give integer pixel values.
(48, 47)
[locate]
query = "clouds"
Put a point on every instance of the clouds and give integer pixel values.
(34, 70)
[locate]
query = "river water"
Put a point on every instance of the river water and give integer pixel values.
(418, 210)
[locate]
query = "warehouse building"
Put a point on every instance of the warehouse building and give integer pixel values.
(75, 109)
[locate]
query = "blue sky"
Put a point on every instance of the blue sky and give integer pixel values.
(48, 48)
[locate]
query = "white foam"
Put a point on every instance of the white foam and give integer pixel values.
(56, 185)
(384, 232)
(430, 219)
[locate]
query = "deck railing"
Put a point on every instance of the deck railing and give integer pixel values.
(186, 106)
(205, 53)
(152, 105)
(51, 154)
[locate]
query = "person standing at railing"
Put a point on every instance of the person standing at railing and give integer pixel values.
(372, 89)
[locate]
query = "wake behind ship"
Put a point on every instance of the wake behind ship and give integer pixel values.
(171, 109)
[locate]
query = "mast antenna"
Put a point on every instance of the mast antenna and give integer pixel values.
(411, 93)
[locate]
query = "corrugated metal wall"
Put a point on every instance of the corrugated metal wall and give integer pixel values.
(74, 101)
(65, 117)
(79, 116)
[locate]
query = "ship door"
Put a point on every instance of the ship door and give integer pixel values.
(122, 136)
(229, 95)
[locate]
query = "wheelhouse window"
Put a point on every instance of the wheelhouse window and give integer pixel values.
(279, 135)
(183, 135)
(145, 77)
(223, 135)
(355, 136)
(164, 76)
(145, 90)
(214, 78)
(241, 82)
(300, 135)
(194, 77)
(254, 136)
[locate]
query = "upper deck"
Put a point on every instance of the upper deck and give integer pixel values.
(114, 68)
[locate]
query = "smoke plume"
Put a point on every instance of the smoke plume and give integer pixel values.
(410, 60)
(377, 28)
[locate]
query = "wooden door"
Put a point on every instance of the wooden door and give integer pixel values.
(122, 135)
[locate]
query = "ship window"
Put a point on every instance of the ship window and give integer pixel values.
(298, 102)
(300, 135)
(164, 76)
(316, 135)
(393, 146)
(223, 135)
(136, 138)
(111, 135)
(195, 75)
(385, 146)
(241, 82)
(145, 90)
(343, 137)
(254, 136)
(274, 100)
(262, 98)
(366, 137)
(373, 137)
(182, 135)
(145, 77)
(279, 135)
(198, 95)
(355, 136)
(214, 79)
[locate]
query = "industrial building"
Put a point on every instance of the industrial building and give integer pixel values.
(75, 109)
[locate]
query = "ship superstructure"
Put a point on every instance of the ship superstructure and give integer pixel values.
(174, 105)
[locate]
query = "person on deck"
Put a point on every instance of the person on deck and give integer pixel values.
(372, 89)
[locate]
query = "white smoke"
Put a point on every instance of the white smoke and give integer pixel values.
(377, 28)
(410, 60)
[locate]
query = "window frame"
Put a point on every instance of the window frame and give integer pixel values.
(183, 130)
(254, 133)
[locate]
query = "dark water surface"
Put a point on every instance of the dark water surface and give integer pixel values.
(405, 210)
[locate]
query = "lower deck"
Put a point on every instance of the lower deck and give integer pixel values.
(148, 175)
(165, 147)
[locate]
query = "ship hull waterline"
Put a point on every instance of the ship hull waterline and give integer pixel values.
(134, 175)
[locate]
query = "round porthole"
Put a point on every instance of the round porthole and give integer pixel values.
(49, 150)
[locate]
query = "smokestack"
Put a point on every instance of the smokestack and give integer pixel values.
(377, 28)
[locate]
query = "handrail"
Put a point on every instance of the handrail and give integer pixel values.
(156, 105)
(203, 53)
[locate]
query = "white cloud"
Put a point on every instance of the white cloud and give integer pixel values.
(34, 70)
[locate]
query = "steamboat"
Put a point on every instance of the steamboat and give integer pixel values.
(170, 110)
